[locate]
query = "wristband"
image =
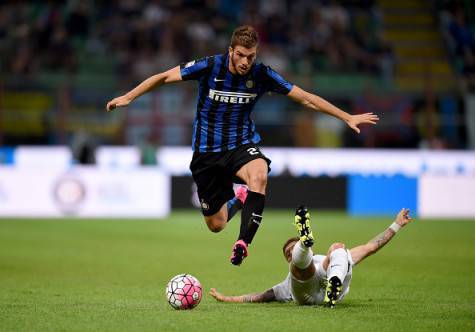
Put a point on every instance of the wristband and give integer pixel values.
(395, 227)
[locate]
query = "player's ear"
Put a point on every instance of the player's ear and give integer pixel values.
(230, 50)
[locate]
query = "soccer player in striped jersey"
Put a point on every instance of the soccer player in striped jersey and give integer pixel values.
(317, 279)
(225, 137)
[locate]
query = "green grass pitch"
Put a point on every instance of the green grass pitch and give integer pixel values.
(110, 275)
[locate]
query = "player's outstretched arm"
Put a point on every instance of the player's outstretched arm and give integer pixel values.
(267, 296)
(361, 252)
(319, 104)
(170, 76)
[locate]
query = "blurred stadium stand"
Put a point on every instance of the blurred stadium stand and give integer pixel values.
(411, 61)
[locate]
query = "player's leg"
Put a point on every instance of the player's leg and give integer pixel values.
(301, 265)
(237, 202)
(305, 277)
(254, 174)
(217, 221)
(215, 189)
(248, 165)
(338, 264)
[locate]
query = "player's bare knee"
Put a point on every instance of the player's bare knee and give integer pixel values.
(215, 224)
(215, 228)
(335, 246)
(258, 181)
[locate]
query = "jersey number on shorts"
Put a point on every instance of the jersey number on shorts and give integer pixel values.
(252, 151)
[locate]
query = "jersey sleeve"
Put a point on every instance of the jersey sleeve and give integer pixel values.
(282, 291)
(195, 69)
(275, 82)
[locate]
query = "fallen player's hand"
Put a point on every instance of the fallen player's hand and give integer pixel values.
(217, 295)
(118, 102)
(403, 218)
(358, 119)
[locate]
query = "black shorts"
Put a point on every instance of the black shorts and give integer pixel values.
(215, 172)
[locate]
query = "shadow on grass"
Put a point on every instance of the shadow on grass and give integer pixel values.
(353, 304)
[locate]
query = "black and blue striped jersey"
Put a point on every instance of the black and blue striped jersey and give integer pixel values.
(225, 101)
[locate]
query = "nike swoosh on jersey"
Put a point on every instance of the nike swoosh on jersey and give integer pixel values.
(218, 80)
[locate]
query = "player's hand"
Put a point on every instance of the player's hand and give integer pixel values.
(358, 119)
(121, 101)
(217, 295)
(403, 218)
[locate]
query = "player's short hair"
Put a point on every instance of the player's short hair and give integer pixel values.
(245, 35)
(292, 239)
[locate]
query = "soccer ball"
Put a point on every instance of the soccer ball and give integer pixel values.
(183, 292)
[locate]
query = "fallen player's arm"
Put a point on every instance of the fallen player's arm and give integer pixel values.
(319, 104)
(267, 296)
(361, 252)
(153, 82)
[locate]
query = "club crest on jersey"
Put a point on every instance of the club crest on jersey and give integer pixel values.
(231, 97)
(249, 84)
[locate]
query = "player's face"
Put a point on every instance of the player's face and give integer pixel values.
(288, 251)
(242, 58)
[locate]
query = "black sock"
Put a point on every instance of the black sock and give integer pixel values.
(234, 205)
(251, 216)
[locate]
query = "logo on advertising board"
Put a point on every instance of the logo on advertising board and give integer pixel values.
(69, 194)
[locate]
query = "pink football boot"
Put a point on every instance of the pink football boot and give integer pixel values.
(239, 252)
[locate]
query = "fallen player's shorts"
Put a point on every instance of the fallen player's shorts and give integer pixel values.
(312, 291)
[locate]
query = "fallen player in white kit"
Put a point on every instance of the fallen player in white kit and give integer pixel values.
(317, 279)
